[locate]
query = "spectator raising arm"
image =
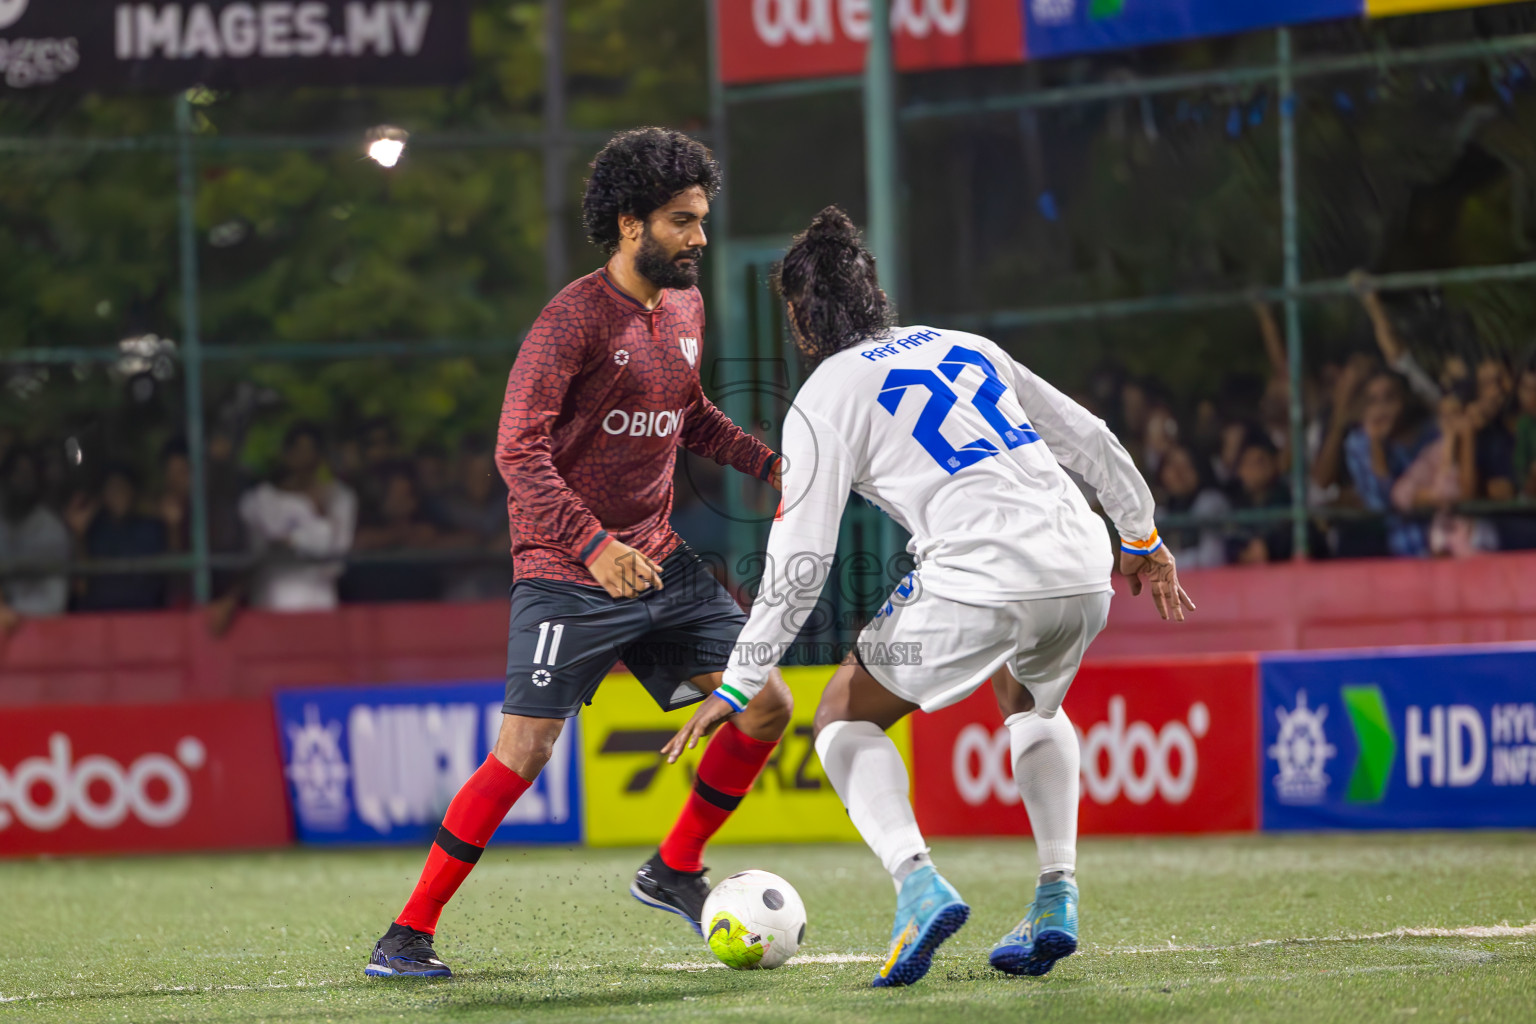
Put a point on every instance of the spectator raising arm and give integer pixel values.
(1274, 341)
(1342, 414)
(1392, 348)
(1377, 452)
(1437, 477)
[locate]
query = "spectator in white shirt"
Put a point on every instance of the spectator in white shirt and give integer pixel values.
(306, 513)
(31, 535)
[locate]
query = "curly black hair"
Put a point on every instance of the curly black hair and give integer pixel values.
(640, 171)
(829, 278)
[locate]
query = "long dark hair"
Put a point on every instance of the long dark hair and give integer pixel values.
(828, 278)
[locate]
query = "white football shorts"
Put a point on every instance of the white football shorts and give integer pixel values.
(945, 649)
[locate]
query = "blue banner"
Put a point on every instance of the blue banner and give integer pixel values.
(1054, 28)
(380, 764)
(1418, 739)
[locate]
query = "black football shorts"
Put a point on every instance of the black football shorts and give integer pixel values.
(565, 637)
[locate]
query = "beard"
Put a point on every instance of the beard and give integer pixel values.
(662, 268)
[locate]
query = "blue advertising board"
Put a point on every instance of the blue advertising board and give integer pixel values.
(1419, 738)
(380, 764)
(1054, 28)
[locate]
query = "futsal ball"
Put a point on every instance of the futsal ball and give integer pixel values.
(754, 920)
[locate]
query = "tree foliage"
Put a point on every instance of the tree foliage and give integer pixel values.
(318, 244)
(1406, 169)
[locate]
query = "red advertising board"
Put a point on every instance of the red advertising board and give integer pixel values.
(1168, 746)
(768, 40)
(140, 778)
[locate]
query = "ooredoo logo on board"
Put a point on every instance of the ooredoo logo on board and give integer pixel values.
(818, 21)
(766, 40)
(1130, 760)
(1165, 748)
(97, 789)
(96, 779)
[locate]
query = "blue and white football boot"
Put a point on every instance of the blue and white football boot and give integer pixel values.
(928, 911)
(1047, 934)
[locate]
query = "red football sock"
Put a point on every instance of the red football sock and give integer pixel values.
(473, 817)
(729, 767)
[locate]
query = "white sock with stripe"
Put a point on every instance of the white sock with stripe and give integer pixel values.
(867, 771)
(1046, 761)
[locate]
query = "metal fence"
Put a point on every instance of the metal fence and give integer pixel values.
(739, 262)
(1283, 72)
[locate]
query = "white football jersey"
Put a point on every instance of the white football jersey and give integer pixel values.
(963, 447)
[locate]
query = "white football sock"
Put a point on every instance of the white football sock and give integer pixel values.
(1046, 761)
(870, 778)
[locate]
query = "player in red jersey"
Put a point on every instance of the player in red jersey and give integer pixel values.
(604, 389)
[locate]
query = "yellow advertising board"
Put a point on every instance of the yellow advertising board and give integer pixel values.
(631, 795)
(1387, 8)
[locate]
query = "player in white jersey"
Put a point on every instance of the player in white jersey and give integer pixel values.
(964, 448)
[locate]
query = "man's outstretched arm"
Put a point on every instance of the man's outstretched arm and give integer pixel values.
(709, 432)
(801, 546)
(1084, 444)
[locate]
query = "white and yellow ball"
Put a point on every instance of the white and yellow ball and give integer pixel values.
(754, 920)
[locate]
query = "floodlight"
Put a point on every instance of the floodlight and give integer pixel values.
(386, 144)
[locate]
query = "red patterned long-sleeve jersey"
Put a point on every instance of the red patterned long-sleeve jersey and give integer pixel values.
(601, 394)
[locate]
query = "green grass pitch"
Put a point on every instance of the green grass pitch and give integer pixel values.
(1258, 928)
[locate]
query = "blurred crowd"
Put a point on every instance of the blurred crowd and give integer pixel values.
(1400, 461)
(441, 514)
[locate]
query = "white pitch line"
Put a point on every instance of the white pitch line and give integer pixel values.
(35, 997)
(1087, 985)
(812, 958)
(1492, 931)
